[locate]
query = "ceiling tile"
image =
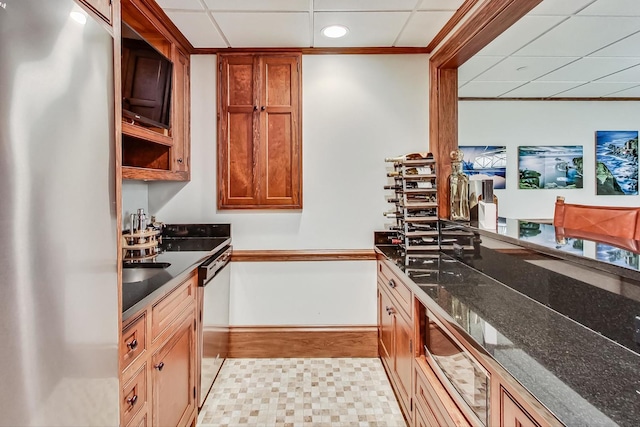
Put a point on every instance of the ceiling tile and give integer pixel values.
(475, 66)
(197, 28)
(180, 4)
(258, 5)
(365, 28)
(613, 8)
(519, 34)
(244, 29)
(523, 68)
(629, 75)
(559, 7)
(486, 89)
(626, 47)
(422, 28)
(364, 5)
(540, 89)
(633, 92)
(440, 4)
(595, 89)
(587, 69)
(581, 35)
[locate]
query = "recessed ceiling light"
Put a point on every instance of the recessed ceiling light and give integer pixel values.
(335, 31)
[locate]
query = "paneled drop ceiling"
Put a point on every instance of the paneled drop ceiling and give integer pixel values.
(561, 49)
(297, 23)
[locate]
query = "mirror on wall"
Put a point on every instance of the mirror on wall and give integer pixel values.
(585, 56)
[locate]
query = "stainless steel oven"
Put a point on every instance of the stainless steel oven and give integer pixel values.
(466, 380)
(213, 295)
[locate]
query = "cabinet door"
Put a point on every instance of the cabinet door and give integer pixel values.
(403, 368)
(279, 132)
(385, 328)
(101, 7)
(173, 377)
(512, 415)
(259, 132)
(181, 122)
(237, 111)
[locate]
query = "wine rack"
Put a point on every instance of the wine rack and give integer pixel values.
(415, 201)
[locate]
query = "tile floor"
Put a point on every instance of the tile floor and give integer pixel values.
(301, 392)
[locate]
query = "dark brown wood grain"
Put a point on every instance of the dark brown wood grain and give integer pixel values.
(259, 131)
(303, 255)
(302, 341)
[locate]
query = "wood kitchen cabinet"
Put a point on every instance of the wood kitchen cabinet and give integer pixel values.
(148, 152)
(158, 361)
(259, 131)
(512, 414)
(395, 341)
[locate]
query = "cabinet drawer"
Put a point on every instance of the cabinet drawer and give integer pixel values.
(133, 341)
(397, 289)
(433, 399)
(170, 307)
(134, 395)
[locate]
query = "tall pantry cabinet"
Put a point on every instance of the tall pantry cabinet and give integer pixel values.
(259, 131)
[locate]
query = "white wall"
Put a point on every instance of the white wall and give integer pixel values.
(357, 110)
(519, 123)
(135, 195)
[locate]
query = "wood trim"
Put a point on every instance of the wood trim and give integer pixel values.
(450, 25)
(316, 50)
(548, 99)
(304, 255)
(157, 16)
(130, 172)
(489, 21)
(303, 341)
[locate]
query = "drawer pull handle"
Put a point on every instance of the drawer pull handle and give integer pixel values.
(392, 283)
(132, 400)
(133, 344)
(390, 310)
(159, 366)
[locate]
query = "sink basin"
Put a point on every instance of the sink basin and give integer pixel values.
(132, 273)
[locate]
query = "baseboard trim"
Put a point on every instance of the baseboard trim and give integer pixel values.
(303, 341)
(304, 255)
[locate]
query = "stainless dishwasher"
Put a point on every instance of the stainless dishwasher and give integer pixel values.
(214, 278)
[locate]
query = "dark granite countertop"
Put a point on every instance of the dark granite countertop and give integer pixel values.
(582, 376)
(185, 248)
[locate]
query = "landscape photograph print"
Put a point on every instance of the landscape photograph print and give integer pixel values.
(550, 167)
(616, 162)
(486, 162)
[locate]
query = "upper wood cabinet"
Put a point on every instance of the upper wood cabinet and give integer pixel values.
(259, 131)
(149, 152)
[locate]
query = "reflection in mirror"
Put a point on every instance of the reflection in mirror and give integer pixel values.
(564, 71)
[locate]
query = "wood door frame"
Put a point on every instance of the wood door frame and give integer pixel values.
(489, 20)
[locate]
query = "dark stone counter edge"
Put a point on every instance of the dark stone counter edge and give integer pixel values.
(161, 291)
(587, 262)
(471, 344)
(171, 284)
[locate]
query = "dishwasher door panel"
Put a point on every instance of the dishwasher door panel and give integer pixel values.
(215, 329)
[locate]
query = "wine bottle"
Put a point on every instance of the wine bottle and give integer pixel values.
(393, 200)
(410, 156)
(426, 170)
(393, 187)
(392, 214)
(394, 174)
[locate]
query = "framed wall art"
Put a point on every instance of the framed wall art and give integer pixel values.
(486, 162)
(616, 162)
(550, 167)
